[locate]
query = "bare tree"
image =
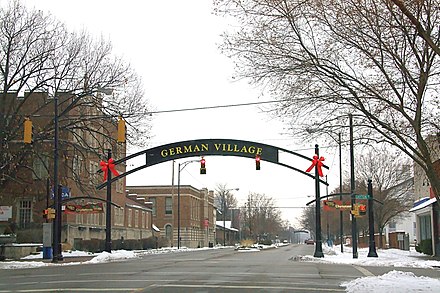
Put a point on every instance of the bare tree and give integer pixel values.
(392, 186)
(261, 217)
(225, 200)
(327, 59)
(411, 10)
(40, 60)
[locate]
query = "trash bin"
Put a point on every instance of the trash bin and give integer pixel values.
(47, 252)
(211, 245)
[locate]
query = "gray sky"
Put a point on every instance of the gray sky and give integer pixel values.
(173, 45)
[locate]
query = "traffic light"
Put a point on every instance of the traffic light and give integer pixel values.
(49, 213)
(121, 129)
(355, 210)
(27, 137)
(202, 166)
(257, 162)
(362, 209)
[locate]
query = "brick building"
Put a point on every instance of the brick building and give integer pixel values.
(197, 213)
(83, 141)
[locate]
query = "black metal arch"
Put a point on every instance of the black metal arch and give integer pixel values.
(210, 147)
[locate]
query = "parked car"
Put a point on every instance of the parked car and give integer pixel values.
(309, 242)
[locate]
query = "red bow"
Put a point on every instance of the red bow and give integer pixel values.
(108, 165)
(318, 163)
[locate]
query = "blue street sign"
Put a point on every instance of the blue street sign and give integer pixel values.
(65, 192)
(362, 196)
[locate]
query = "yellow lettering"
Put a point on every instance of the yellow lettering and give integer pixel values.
(243, 149)
(251, 150)
(229, 148)
(236, 150)
(259, 151)
(164, 153)
(217, 146)
(178, 150)
(172, 153)
(204, 147)
(187, 149)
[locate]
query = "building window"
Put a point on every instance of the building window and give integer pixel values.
(168, 232)
(77, 165)
(40, 165)
(24, 213)
(168, 205)
(392, 226)
(119, 216)
(129, 217)
(120, 184)
(143, 220)
(93, 172)
(153, 205)
(136, 218)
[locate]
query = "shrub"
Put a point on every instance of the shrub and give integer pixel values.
(247, 242)
(425, 247)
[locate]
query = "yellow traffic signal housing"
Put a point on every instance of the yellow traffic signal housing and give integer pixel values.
(355, 210)
(49, 213)
(27, 137)
(121, 129)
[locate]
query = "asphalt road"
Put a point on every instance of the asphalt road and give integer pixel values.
(216, 270)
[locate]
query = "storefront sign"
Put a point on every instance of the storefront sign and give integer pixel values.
(5, 213)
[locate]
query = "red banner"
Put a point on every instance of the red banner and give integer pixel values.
(329, 205)
(89, 208)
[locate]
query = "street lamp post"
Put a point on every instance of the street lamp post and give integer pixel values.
(224, 212)
(181, 167)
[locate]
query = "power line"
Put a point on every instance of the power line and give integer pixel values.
(158, 111)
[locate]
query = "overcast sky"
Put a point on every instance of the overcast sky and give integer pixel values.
(173, 45)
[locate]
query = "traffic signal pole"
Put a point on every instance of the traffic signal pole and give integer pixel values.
(372, 243)
(318, 244)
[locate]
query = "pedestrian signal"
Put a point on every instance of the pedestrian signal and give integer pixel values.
(49, 213)
(362, 210)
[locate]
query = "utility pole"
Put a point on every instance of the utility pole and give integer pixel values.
(352, 188)
(372, 243)
(341, 220)
(57, 254)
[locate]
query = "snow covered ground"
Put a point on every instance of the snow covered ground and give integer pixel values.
(394, 281)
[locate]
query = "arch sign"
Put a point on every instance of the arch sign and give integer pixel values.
(210, 147)
(215, 147)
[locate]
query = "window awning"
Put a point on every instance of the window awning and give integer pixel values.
(423, 205)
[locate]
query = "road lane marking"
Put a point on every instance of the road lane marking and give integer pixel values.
(364, 271)
(249, 287)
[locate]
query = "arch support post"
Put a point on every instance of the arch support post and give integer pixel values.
(318, 244)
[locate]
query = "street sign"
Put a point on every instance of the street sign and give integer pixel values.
(362, 196)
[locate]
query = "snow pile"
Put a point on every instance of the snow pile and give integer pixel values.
(394, 281)
(386, 257)
(114, 256)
